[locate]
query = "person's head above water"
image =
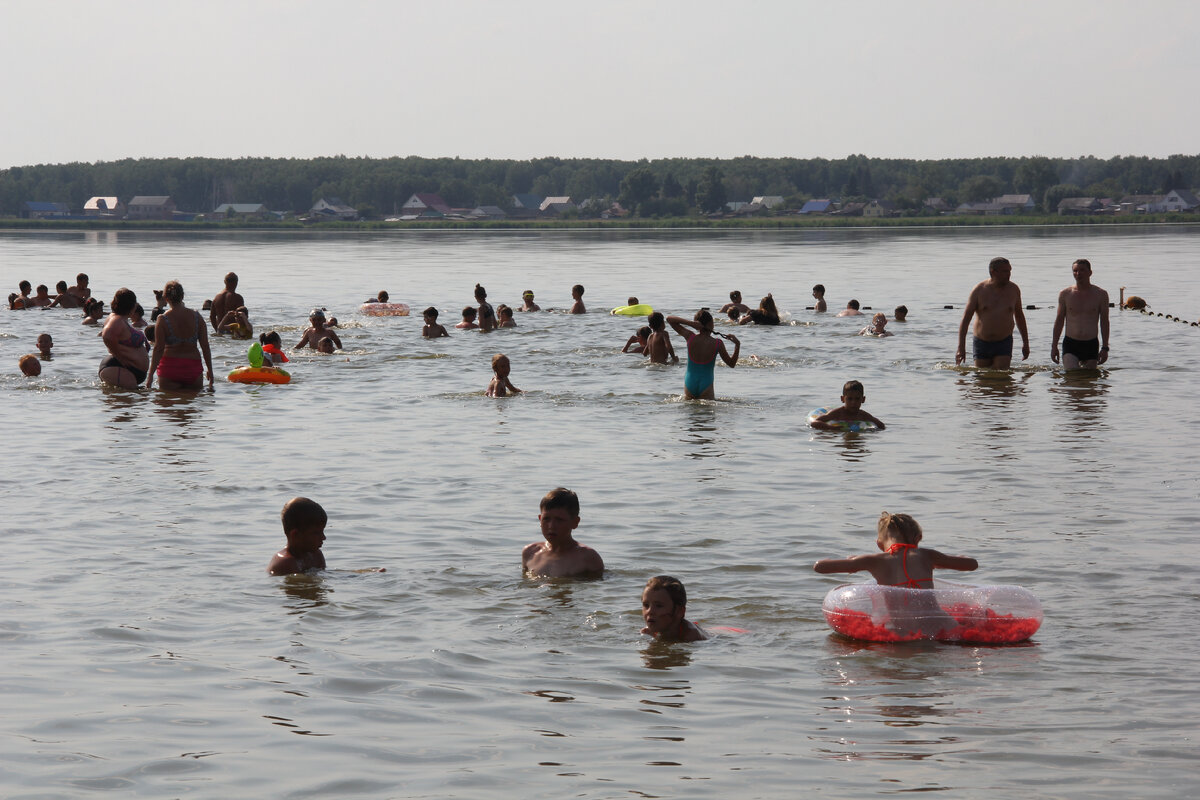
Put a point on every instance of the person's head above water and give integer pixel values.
(897, 528)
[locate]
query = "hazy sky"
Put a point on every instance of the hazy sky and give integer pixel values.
(610, 79)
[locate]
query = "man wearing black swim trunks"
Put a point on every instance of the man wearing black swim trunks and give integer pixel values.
(996, 306)
(1083, 311)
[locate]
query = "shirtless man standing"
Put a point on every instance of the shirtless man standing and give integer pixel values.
(997, 301)
(1083, 308)
(226, 300)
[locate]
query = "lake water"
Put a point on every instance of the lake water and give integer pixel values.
(145, 652)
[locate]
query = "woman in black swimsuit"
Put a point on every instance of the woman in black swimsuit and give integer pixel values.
(128, 358)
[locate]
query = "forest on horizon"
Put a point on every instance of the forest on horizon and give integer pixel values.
(649, 188)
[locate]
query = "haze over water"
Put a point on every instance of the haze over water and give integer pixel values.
(147, 654)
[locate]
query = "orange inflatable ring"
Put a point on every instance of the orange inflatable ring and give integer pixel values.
(260, 375)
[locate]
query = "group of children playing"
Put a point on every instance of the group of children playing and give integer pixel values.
(900, 562)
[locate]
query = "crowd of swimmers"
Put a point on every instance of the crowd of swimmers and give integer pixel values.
(175, 346)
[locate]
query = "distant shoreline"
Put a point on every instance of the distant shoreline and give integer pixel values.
(683, 223)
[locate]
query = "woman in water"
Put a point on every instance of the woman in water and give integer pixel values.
(702, 350)
(765, 314)
(127, 357)
(180, 339)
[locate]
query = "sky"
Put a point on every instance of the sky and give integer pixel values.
(616, 79)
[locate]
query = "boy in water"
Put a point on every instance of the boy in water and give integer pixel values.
(901, 314)
(325, 345)
(637, 342)
(304, 526)
(505, 316)
(66, 298)
(560, 556)
(851, 410)
(30, 366)
(468, 319)
(501, 386)
(432, 329)
(819, 296)
(735, 303)
(877, 326)
(527, 302)
(44, 343)
(316, 331)
(658, 345)
(851, 310)
(577, 295)
(664, 602)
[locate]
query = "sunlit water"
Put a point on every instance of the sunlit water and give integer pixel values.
(145, 653)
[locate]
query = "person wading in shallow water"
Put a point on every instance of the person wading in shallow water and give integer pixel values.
(996, 306)
(1083, 310)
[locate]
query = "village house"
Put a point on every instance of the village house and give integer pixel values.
(553, 206)
(1177, 200)
(1078, 206)
(332, 209)
(767, 201)
(817, 207)
(936, 205)
(104, 207)
(486, 212)
(879, 208)
(36, 209)
(1139, 203)
(529, 202)
(979, 209)
(151, 207)
(1015, 203)
(424, 205)
(235, 210)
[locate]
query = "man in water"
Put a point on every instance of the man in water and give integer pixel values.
(1083, 309)
(997, 302)
(226, 300)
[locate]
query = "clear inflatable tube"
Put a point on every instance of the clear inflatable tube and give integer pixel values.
(385, 309)
(949, 612)
(851, 427)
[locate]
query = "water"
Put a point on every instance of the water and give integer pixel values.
(146, 653)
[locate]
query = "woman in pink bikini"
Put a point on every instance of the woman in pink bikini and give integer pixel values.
(180, 339)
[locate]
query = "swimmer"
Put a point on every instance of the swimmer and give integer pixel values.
(432, 329)
(65, 298)
(735, 303)
(819, 295)
(876, 328)
(997, 301)
(468, 319)
(226, 300)
(80, 289)
(902, 563)
(560, 556)
(42, 299)
(851, 410)
(577, 296)
(901, 314)
(702, 351)
(500, 385)
(487, 315)
(22, 300)
(637, 342)
(30, 366)
(851, 310)
(765, 314)
(93, 310)
(527, 303)
(632, 301)
(382, 297)
(304, 524)
(658, 345)
(236, 323)
(664, 603)
(325, 346)
(316, 331)
(44, 342)
(505, 315)
(137, 317)
(272, 347)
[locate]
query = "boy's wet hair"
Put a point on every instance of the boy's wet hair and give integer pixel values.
(577, 289)
(644, 331)
(25, 286)
(561, 498)
(504, 311)
(671, 585)
(657, 321)
(383, 296)
(853, 304)
(851, 386)
(42, 288)
(61, 286)
(469, 312)
(496, 359)
(735, 296)
(630, 301)
(900, 311)
(430, 312)
(820, 287)
(30, 366)
(81, 278)
(907, 529)
(300, 512)
(998, 261)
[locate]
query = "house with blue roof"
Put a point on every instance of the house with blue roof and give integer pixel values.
(36, 209)
(824, 206)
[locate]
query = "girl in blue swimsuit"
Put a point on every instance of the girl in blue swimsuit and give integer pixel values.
(702, 351)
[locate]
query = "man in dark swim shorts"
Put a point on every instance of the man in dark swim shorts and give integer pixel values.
(1086, 350)
(995, 305)
(1083, 316)
(982, 349)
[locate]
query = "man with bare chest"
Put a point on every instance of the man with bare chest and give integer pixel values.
(1083, 311)
(996, 306)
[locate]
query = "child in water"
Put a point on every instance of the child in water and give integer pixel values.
(577, 296)
(902, 563)
(658, 345)
(505, 315)
(877, 326)
(664, 603)
(527, 302)
(30, 366)
(819, 296)
(316, 331)
(44, 342)
(637, 342)
(501, 386)
(560, 556)
(236, 323)
(325, 345)
(432, 329)
(304, 526)
(272, 347)
(468, 319)
(853, 396)
(702, 351)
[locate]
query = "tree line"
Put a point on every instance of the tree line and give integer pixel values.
(650, 188)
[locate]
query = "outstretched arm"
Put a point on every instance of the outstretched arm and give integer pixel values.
(827, 566)
(961, 563)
